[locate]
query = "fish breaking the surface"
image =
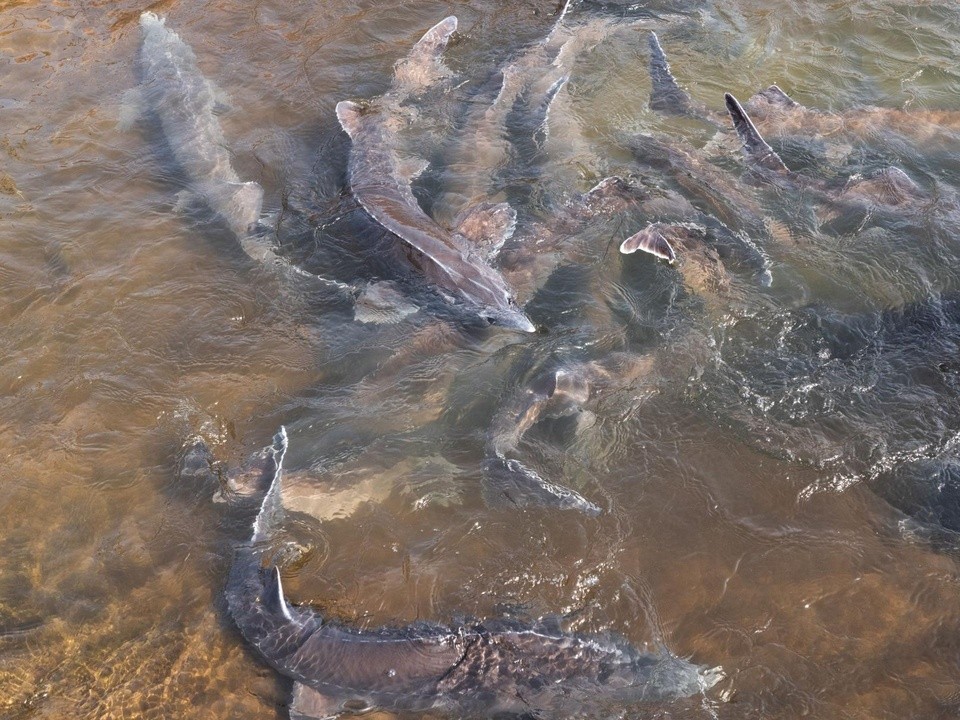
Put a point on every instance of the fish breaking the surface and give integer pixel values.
(488, 669)
(380, 180)
(184, 101)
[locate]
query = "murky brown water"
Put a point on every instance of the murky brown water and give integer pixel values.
(128, 326)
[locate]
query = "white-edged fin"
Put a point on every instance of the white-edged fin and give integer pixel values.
(308, 704)
(755, 148)
(488, 226)
(382, 303)
(349, 114)
(272, 597)
(666, 96)
(424, 66)
(650, 240)
(271, 509)
(508, 481)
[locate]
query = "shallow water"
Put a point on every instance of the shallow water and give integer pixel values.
(753, 500)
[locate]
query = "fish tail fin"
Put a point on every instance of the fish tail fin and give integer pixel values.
(650, 240)
(424, 66)
(271, 508)
(755, 148)
(666, 95)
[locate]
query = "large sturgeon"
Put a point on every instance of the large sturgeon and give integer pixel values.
(489, 669)
(380, 180)
(183, 101)
(781, 114)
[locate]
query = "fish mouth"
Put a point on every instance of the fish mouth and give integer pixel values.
(514, 320)
(519, 321)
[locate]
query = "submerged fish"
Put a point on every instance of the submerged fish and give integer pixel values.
(568, 390)
(488, 669)
(781, 114)
(184, 101)
(380, 180)
(497, 130)
(887, 189)
(731, 219)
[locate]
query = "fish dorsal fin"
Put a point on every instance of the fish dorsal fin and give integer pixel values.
(423, 66)
(272, 597)
(666, 95)
(755, 148)
(488, 226)
(650, 240)
(349, 114)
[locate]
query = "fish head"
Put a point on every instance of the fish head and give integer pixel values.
(508, 316)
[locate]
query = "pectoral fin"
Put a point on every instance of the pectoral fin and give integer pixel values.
(424, 65)
(383, 304)
(308, 704)
(488, 226)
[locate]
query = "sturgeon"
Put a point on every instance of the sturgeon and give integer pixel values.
(888, 188)
(183, 100)
(779, 113)
(487, 669)
(380, 179)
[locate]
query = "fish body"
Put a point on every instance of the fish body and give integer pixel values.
(184, 102)
(380, 180)
(485, 669)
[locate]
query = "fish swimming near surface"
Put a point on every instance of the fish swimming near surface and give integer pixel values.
(885, 187)
(514, 121)
(491, 669)
(887, 190)
(779, 114)
(184, 102)
(568, 390)
(380, 180)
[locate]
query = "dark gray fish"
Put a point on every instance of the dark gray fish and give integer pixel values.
(380, 180)
(531, 80)
(184, 101)
(888, 189)
(489, 669)
(732, 216)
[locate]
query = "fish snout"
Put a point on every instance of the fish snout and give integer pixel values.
(512, 317)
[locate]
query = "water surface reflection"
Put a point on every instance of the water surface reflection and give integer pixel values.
(129, 326)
